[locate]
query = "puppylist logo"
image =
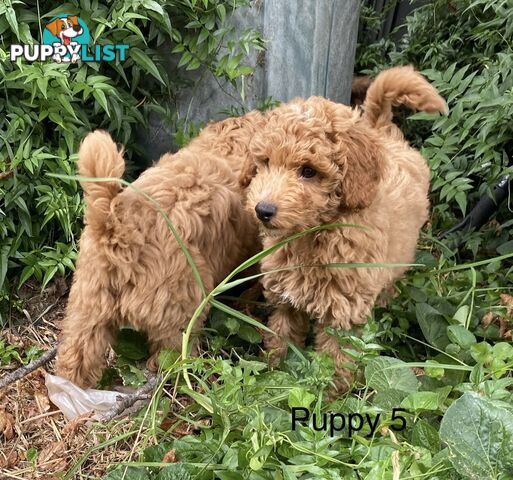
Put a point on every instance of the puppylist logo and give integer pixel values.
(66, 39)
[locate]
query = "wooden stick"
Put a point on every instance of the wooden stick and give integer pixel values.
(26, 369)
(124, 404)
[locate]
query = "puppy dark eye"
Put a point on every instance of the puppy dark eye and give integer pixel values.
(264, 162)
(307, 172)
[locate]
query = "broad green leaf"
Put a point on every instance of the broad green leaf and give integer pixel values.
(479, 435)
(383, 373)
(250, 334)
(426, 436)
(300, 397)
(460, 335)
(432, 324)
(127, 473)
(131, 344)
(420, 401)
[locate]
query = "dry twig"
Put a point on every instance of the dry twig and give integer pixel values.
(124, 404)
(26, 369)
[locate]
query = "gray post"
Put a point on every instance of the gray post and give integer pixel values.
(310, 51)
(311, 48)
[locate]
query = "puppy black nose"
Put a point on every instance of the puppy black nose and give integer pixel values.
(77, 28)
(265, 211)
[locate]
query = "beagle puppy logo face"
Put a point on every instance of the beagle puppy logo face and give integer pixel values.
(65, 28)
(66, 39)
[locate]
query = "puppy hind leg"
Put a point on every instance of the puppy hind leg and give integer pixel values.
(87, 334)
(170, 318)
(287, 324)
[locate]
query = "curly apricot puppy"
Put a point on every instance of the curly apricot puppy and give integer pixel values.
(131, 269)
(318, 162)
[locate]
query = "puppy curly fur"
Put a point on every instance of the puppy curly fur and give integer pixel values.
(366, 174)
(131, 269)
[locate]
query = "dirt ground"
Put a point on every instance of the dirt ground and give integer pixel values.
(36, 442)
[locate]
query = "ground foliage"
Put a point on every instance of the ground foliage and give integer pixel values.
(441, 349)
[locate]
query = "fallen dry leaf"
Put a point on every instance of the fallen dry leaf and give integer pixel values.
(507, 301)
(170, 456)
(487, 319)
(50, 455)
(71, 427)
(6, 425)
(8, 460)
(42, 401)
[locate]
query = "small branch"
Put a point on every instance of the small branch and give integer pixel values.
(124, 404)
(25, 370)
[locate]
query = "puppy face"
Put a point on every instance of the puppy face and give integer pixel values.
(65, 28)
(312, 161)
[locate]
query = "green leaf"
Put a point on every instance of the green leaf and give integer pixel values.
(383, 373)
(10, 15)
(4, 260)
(420, 401)
(479, 435)
(168, 358)
(300, 397)
(505, 248)
(146, 63)
(131, 344)
(127, 473)
(153, 5)
(426, 436)
(221, 11)
(226, 475)
(31, 454)
(100, 97)
(482, 352)
(249, 334)
(461, 314)
(460, 335)
(432, 324)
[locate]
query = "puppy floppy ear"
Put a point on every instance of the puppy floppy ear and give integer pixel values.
(54, 26)
(249, 170)
(361, 165)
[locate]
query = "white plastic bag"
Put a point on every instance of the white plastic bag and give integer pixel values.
(73, 401)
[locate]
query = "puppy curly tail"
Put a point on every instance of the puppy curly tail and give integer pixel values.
(99, 157)
(399, 86)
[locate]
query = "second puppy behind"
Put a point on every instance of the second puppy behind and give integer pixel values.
(319, 162)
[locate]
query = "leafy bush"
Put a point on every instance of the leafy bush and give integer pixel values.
(46, 108)
(465, 48)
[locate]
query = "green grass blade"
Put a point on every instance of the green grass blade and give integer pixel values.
(223, 288)
(264, 253)
(239, 315)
